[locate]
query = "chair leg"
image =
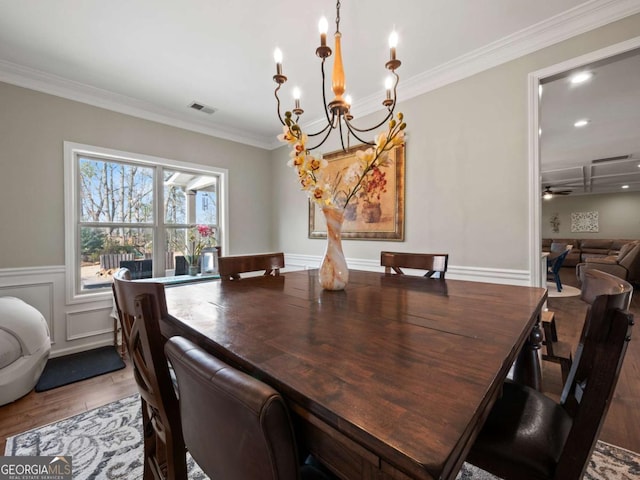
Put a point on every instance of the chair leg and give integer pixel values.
(558, 282)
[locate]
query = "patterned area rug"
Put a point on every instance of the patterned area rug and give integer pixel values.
(106, 443)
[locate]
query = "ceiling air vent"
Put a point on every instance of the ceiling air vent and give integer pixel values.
(611, 159)
(202, 107)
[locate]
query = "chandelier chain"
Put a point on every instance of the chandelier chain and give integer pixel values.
(338, 16)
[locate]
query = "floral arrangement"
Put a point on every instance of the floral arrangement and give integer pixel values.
(198, 237)
(373, 185)
(362, 179)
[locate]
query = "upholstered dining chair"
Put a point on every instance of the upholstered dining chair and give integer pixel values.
(431, 262)
(235, 426)
(529, 436)
(164, 449)
(231, 267)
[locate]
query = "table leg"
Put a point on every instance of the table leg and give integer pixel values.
(527, 369)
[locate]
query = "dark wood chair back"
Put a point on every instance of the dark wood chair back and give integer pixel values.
(596, 285)
(235, 426)
(140, 306)
(527, 435)
(231, 267)
(593, 385)
(432, 262)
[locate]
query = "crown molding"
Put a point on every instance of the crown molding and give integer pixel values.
(578, 20)
(52, 84)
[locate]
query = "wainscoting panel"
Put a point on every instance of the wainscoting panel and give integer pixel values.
(72, 328)
(89, 323)
(42, 288)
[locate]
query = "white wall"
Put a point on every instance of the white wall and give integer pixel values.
(33, 127)
(467, 177)
(618, 215)
(466, 183)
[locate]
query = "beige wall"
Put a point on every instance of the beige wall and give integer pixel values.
(467, 184)
(618, 215)
(33, 127)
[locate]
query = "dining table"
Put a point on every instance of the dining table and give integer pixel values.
(390, 378)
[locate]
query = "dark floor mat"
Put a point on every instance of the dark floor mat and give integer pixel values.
(79, 366)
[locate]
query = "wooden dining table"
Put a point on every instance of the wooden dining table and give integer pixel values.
(391, 378)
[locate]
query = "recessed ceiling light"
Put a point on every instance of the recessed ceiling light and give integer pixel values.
(581, 123)
(625, 186)
(581, 77)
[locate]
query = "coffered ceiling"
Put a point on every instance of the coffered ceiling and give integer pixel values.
(153, 58)
(603, 155)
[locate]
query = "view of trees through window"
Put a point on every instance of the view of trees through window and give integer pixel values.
(116, 221)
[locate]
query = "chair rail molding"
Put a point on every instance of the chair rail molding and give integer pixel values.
(475, 274)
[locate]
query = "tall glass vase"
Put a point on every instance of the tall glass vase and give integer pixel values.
(334, 273)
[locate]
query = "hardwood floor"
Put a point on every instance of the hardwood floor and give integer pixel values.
(37, 409)
(621, 426)
(623, 418)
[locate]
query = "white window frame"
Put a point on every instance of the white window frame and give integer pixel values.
(72, 207)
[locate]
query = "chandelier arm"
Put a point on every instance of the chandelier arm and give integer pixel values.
(389, 115)
(353, 132)
(324, 94)
(328, 125)
(341, 135)
(278, 104)
(353, 128)
(323, 139)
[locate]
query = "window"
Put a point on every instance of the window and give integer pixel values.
(132, 210)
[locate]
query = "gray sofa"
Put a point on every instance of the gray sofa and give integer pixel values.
(585, 248)
(625, 265)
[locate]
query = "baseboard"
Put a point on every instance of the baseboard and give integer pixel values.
(473, 274)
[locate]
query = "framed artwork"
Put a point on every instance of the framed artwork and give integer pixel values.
(366, 216)
(584, 222)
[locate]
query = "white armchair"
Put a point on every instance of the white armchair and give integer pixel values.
(24, 348)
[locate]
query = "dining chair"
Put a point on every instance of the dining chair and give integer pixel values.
(231, 267)
(432, 262)
(553, 267)
(595, 283)
(529, 436)
(235, 426)
(164, 449)
(182, 266)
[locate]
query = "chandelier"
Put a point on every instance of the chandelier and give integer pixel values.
(338, 111)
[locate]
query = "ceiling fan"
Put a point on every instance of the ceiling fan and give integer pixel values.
(548, 193)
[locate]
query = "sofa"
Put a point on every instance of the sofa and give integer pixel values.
(626, 265)
(584, 248)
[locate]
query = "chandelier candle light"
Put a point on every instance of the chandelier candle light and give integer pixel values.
(333, 194)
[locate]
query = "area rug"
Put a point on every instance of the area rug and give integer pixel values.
(567, 291)
(79, 366)
(106, 443)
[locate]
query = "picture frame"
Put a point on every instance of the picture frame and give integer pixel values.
(366, 220)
